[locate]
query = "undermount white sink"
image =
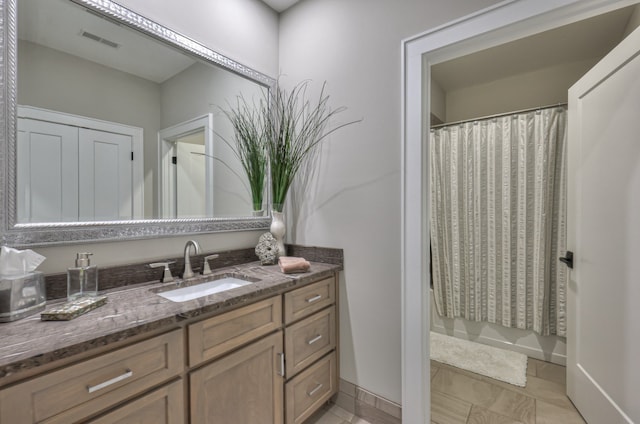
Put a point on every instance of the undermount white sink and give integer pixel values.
(203, 289)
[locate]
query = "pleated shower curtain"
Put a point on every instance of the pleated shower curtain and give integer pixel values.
(498, 202)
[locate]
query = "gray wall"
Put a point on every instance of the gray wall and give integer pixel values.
(542, 87)
(634, 21)
(354, 202)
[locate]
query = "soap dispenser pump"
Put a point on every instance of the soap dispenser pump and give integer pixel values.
(82, 280)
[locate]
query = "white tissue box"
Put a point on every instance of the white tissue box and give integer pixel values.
(21, 296)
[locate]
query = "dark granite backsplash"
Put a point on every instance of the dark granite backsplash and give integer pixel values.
(317, 254)
(125, 275)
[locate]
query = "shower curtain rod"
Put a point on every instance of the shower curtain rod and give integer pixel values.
(497, 115)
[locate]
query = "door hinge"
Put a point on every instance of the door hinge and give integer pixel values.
(174, 160)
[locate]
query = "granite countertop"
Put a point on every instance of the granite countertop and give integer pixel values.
(30, 342)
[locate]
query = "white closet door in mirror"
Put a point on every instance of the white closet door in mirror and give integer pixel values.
(47, 179)
(105, 176)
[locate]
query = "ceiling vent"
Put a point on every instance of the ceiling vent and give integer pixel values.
(99, 39)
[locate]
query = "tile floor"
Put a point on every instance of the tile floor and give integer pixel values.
(462, 397)
(332, 414)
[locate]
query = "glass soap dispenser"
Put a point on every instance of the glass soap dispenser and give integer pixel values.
(82, 280)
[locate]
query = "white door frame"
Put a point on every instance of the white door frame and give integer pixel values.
(167, 184)
(504, 22)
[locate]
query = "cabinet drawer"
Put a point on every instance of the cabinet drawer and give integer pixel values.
(310, 339)
(83, 389)
(306, 392)
(213, 337)
(162, 406)
(304, 301)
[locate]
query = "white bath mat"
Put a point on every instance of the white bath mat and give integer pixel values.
(501, 364)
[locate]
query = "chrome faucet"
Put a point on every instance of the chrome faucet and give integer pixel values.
(188, 272)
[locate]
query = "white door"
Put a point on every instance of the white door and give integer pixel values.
(105, 176)
(47, 177)
(191, 187)
(168, 193)
(603, 338)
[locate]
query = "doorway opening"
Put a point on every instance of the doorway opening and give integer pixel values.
(497, 25)
(186, 169)
(530, 73)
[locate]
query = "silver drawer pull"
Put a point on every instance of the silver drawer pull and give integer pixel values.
(314, 298)
(281, 373)
(314, 391)
(315, 339)
(108, 383)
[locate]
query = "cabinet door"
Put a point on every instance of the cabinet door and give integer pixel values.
(162, 406)
(243, 387)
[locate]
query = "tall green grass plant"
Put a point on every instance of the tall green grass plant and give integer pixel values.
(294, 127)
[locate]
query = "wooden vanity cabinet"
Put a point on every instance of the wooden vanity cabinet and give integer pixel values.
(273, 361)
(89, 387)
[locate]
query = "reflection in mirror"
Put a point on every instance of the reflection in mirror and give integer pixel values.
(115, 126)
(192, 186)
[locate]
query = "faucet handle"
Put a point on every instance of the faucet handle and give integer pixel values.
(166, 277)
(206, 269)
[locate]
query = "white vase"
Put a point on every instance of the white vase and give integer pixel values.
(278, 229)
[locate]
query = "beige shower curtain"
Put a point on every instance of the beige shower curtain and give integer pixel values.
(498, 202)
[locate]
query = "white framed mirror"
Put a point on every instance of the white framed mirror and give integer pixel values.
(98, 104)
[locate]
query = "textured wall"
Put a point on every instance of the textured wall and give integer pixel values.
(354, 201)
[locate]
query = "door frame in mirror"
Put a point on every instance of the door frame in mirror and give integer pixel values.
(43, 234)
(167, 137)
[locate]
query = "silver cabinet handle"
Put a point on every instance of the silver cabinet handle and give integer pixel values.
(128, 373)
(315, 339)
(314, 391)
(314, 298)
(281, 373)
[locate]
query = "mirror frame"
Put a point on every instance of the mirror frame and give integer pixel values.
(44, 234)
